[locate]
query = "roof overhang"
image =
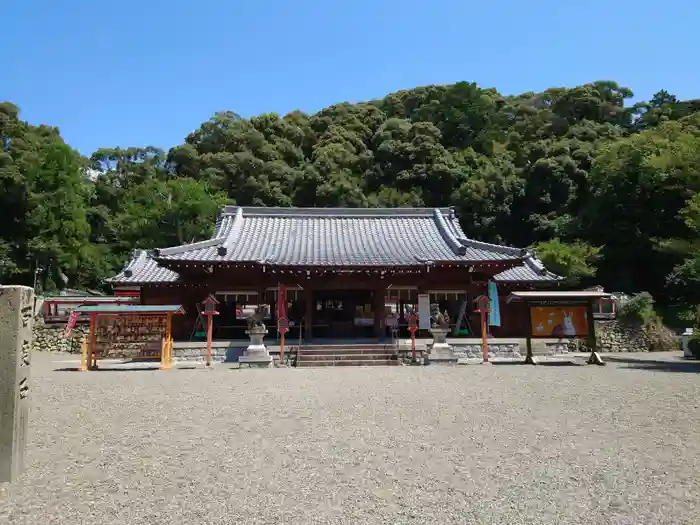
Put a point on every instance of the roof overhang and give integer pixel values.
(557, 295)
(135, 309)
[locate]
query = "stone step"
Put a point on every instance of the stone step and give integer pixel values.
(344, 362)
(346, 348)
(353, 351)
(346, 357)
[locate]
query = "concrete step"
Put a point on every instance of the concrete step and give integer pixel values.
(345, 362)
(346, 357)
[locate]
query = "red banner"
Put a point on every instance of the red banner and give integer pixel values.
(281, 302)
(282, 321)
(72, 321)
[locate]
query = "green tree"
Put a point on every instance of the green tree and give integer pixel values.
(575, 261)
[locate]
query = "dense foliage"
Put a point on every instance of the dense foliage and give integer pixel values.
(607, 191)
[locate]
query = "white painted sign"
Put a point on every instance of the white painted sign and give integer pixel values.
(424, 311)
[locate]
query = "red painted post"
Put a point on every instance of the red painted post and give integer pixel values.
(483, 304)
(210, 323)
(209, 305)
(412, 327)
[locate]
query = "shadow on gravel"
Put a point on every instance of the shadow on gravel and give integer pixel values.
(687, 367)
(124, 369)
(540, 363)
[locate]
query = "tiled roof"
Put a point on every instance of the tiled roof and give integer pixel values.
(143, 269)
(531, 270)
(339, 237)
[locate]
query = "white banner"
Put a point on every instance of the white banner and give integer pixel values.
(424, 311)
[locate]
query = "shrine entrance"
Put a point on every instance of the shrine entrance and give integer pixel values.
(343, 314)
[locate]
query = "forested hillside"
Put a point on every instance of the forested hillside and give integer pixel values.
(606, 191)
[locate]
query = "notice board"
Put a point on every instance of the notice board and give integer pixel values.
(129, 337)
(559, 321)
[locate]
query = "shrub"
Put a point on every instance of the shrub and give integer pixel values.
(639, 308)
(694, 345)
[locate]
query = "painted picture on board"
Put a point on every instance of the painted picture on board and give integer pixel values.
(559, 321)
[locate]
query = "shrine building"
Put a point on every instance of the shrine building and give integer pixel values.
(348, 272)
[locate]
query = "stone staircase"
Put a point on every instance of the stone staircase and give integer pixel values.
(347, 355)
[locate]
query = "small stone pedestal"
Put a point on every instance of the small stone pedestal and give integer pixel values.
(16, 321)
(441, 352)
(256, 355)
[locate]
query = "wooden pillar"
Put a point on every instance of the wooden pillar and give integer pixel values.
(169, 339)
(529, 358)
(309, 313)
(379, 307)
(592, 343)
(92, 359)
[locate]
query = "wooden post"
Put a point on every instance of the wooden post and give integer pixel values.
(168, 338)
(412, 327)
(92, 359)
(379, 307)
(281, 347)
(83, 356)
(413, 346)
(210, 324)
(529, 357)
(484, 335)
(163, 353)
(309, 312)
(595, 358)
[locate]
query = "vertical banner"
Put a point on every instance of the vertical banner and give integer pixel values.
(424, 311)
(72, 321)
(494, 306)
(281, 302)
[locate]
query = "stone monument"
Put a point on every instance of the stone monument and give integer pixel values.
(16, 322)
(441, 352)
(256, 355)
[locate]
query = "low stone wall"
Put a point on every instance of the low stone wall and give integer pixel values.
(474, 350)
(197, 352)
(614, 336)
(617, 336)
(49, 337)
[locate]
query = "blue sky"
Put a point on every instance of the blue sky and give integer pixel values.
(148, 72)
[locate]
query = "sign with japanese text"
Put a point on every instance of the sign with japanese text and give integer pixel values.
(129, 337)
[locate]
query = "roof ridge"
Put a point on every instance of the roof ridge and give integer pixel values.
(473, 243)
(538, 266)
(233, 234)
(280, 211)
(453, 242)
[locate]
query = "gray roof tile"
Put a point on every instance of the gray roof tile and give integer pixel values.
(339, 236)
(531, 270)
(143, 269)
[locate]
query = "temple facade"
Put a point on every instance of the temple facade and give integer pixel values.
(348, 273)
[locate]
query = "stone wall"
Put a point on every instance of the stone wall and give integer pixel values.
(49, 337)
(618, 336)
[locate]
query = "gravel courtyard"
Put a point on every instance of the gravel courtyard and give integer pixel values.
(435, 445)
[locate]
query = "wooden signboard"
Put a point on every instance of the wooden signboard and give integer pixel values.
(129, 337)
(559, 321)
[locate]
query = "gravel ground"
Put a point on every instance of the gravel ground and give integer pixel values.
(435, 445)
